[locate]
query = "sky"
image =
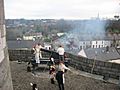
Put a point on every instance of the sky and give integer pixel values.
(61, 9)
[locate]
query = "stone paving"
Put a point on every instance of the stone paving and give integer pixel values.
(74, 81)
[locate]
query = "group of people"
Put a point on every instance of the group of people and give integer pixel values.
(59, 73)
(54, 74)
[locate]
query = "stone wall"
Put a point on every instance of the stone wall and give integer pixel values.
(108, 69)
(5, 75)
(24, 54)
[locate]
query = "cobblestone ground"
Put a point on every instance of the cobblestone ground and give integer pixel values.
(22, 79)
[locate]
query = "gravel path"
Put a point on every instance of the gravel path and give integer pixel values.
(22, 79)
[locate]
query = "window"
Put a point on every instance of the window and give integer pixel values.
(99, 46)
(96, 42)
(80, 47)
(102, 42)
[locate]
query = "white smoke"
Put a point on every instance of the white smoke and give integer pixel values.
(84, 30)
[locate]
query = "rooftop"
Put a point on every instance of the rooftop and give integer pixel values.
(22, 79)
(22, 44)
(102, 53)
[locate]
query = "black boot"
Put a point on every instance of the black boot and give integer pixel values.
(52, 81)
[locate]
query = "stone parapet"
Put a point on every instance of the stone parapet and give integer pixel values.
(112, 70)
(24, 54)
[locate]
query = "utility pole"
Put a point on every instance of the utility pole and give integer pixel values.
(94, 62)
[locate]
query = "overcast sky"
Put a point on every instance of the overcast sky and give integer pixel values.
(57, 9)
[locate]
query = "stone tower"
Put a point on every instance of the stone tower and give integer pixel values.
(5, 76)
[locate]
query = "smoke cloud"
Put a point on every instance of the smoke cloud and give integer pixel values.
(84, 30)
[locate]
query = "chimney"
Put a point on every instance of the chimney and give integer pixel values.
(5, 75)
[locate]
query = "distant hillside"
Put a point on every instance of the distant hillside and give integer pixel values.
(18, 27)
(113, 26)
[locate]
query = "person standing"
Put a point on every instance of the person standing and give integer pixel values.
(52, 74)
(61, 52)
(59, 78)
(60, 75)
(37, 52)
(40, 47)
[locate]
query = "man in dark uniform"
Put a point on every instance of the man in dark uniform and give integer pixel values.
(59, 78)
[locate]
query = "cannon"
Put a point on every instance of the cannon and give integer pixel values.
(49, 61)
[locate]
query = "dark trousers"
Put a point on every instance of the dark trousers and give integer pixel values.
(61, 86)
(59, 78)
(34, 86)
(61, 57)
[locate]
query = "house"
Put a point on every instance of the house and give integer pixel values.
(19, 38)
(47, 46)
(100, 43)
(83, 44)
(60, 34)
(104, 54)
(32, 36)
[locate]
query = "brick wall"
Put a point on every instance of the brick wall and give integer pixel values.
(5, 76)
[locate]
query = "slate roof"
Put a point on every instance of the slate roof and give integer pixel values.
(102, 54)
(21, 44)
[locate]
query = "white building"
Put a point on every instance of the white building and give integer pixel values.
(60, 34)
(84, 44)
(47, 46)
(32, 36)
(94, 44)
(100, 43)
